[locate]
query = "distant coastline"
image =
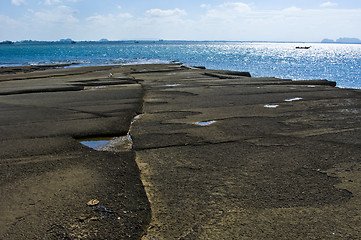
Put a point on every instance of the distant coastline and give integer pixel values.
(104, 40)
(342, 40)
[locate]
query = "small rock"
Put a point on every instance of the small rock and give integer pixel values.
(93, 202)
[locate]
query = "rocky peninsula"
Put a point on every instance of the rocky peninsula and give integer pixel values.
(192, 153)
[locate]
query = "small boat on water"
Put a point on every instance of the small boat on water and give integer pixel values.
(306, 47)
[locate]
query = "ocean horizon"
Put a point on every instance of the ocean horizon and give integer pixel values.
(290, 60)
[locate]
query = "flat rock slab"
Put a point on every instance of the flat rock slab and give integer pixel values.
(226, 156)
(216, 155)
(46, 175)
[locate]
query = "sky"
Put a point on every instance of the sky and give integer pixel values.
(253, 20)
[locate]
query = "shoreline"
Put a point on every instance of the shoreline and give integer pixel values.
(32, 68)
(332, 62)
(216, 154)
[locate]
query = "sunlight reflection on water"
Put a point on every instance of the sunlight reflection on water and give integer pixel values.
(334, 62)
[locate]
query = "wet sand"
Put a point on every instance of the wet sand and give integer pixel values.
(216, 155)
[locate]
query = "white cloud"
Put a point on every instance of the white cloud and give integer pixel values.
(227, 21)
(54, 2)
(110, 26)
(230, 21)
(166, 13)
(229, 10)
(329, 4)
(58, 15)
(205, 6)
(292, 10)
(154, 24)
(9, 27)
(18, 2)
(239, 21)
(109, 19)
(6, 20)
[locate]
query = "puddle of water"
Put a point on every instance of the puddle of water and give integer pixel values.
(293, 99)
(311, 86)
(205, 123)
(172, 85)
(116, 144)
(354, 111)
(99, 87)
(95, 87)
(270, 106)
(111, 144)
(95, 143)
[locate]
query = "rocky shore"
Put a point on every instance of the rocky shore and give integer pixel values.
(215, 155)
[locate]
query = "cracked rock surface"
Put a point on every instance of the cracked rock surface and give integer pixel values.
(216, 155)
(47, 177)
(250, 171)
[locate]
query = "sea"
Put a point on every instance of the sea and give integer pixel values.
(335, 62)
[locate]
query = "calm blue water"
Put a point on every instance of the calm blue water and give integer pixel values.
(335, 62)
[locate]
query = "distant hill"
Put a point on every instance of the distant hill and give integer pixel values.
(7, 42)
(67, 40)
(326, 40)
(342, 40)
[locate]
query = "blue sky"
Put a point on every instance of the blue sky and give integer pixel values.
(257, 20)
